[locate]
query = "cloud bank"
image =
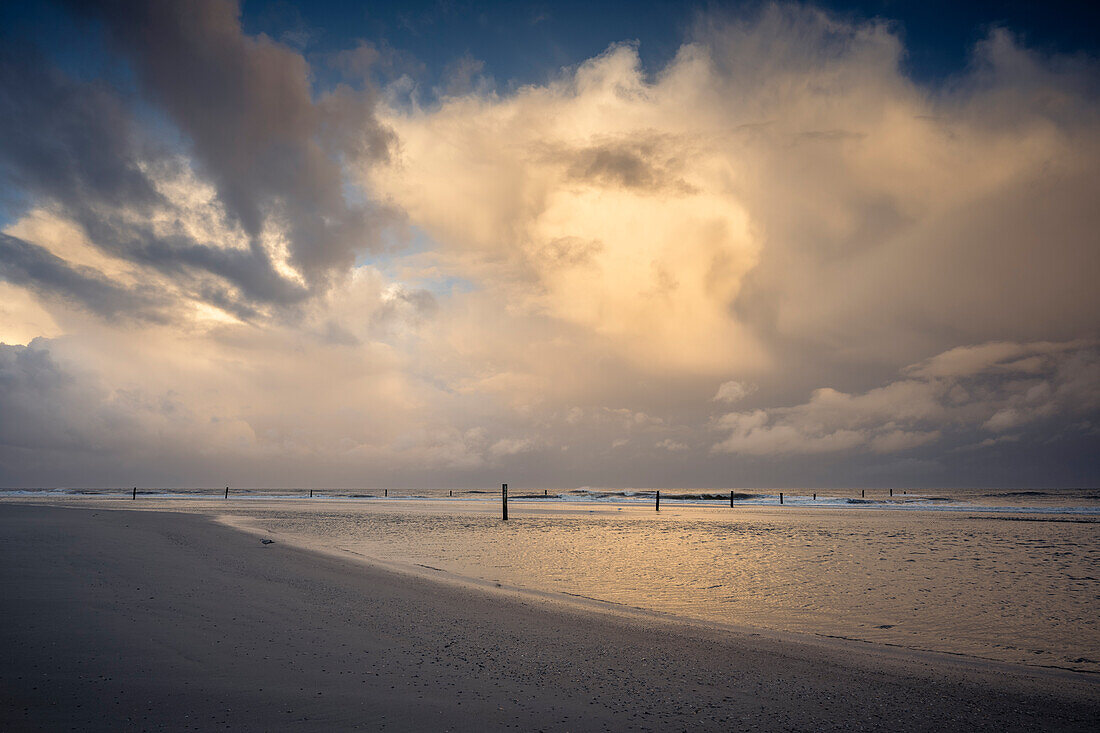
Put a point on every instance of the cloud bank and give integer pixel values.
(998, 390)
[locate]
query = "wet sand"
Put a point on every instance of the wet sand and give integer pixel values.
(118, 620)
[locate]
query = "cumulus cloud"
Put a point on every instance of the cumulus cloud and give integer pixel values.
(993, 387)
(779, 184)
(733, 391)
(582, 201)
(511, 446)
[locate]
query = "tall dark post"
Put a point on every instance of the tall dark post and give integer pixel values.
(731, 499)
(815, 497)
(387, 492)
(226, 492)
(891, 492)
(311, 493)
(135, 492)
(451, 492)
(862, 493)
(658, 501)
(545, 492)
(781, 497)
(504, 500)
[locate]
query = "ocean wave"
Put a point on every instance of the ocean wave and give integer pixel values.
(669, 495)
(713, 497)
(1003, 494)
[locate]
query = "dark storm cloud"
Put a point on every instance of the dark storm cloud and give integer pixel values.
(29, 265)
(72, 143)
(74, 148)
(35, 395)
(247, 107)
(56, 418)
(190, 263)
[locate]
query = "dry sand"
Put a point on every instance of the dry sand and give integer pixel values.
(117, 620)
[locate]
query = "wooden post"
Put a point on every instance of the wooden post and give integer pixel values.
(862, 493)
(504, 500)
(387, 492)
(545, 492)
(891, 492)
(451, 492)
(135, 492)
(815, 497)
(658, 501)
(731, 499)
(311, 493)
(781, 498)
(226, 492)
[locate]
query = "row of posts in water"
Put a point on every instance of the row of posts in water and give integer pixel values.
(504, 497)
(385, 492)
(657, 502)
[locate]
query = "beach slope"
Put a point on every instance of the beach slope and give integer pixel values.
(118, 620)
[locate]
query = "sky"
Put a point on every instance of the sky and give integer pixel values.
(452, 244)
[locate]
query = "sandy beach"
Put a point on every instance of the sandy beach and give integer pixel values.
(118, 620)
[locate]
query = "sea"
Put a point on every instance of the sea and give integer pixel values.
(999, 574)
